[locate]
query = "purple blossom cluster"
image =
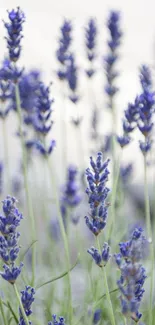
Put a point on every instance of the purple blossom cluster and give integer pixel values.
(9, 238)
(90, 43)
(97, 193)
(133, 274)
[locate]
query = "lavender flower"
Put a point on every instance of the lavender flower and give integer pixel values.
(71, 76)
(10, 72)
(146, 106)
(100, 259)
(14, 29)
(61, 320)
(9, 248)
(63, 50)
(42, 120)
(131, 115)
(90, 40)
(6, 90)
(125, 173)
(97, 193)
(112, 57)
(133, 274)
(27, 298)
(70, 194)
(97, 316)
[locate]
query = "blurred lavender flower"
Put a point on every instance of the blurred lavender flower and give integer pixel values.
(63, 50)
(29, 85)
(131, 115)
(70, 194)
(9, 248)
(125, 173)
(6, 90)
(132, 273)
(90, 42)
(112, 56)
(146, 105)
(42, 122)
(97, 316)
(10, 72)
(14, 29)
(61, 320)
(27, 298)
(97, 193)
(1, 177)
(100, 259)
(71, 76)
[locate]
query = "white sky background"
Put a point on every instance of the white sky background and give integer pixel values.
(41, 30)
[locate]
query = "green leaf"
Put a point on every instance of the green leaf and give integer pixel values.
(13, 313)
(27, 249)
(58, 277)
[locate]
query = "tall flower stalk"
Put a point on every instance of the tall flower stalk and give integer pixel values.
(13, 39)
(146, 106)
(97, 193)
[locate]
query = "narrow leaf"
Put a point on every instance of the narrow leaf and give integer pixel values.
(13, 313)
(58, 277)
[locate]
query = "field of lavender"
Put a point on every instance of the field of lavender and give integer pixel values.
(76, 225)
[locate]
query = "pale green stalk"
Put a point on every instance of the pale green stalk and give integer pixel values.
(149, 234)
(21, 305)
(27, 192)
(106, 286)
(2, 312)
(64, 237)
(113, 197)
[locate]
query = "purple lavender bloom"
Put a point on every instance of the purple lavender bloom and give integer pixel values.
(61, 320)
(71, 76)
(1, 177)
(146, 106)
(29, 85)
(9, 248)
(97, 316)
(70, 193)
(6, 91)
(42, 122)
(14, 29)
(97, 193)
(62, 53)
(10, 72)
(125, 173)
(27, 298)
(133, 274)
(100, 259)
(90, 40)
(123, 140)
(110, 60)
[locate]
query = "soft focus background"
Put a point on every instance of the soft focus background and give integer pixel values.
(41, 33)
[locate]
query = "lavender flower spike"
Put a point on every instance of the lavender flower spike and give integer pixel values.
(100, 259)
(27, 298)
(14, 29)
(115, 34)
(133, 274)
(61, 320)
(97, 193)
(90, 40)
(9, 248)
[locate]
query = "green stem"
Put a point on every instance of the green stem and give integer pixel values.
(106, 286)
(2, 312)
(64, 236)
(149, 234)
(27, 192)
(113, 197)
(21, 305)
